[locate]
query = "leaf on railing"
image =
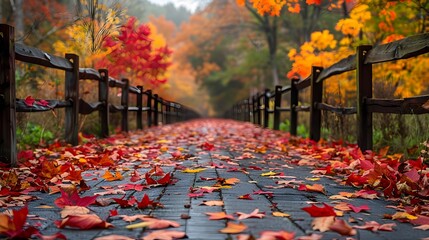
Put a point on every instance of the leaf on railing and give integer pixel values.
(29, 101)
(426, 105)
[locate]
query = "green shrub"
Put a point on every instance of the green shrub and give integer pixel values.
(33, 135)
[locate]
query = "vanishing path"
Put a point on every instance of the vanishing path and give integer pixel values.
(236, 165)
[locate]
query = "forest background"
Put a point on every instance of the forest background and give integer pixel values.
(223, 52)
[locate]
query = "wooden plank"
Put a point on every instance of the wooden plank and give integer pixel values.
(344, 65)
(316, 97)
(52, 104)
(116, 108)
(72, 94)
(300, 85)
(337, 110)
(405, 48)
(33, 55)
(286, 89)
(103, 96)
(364, 91)
(89, 74)
(412, 105)
(277, 105)
(86, 108)
(115, 83)
(8, 152)
(302, 108)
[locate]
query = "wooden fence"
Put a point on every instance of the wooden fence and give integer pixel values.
(157, 109)
(257, 108)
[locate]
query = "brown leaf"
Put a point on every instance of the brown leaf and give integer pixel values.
(114, 237)
(375, 226)
(340, 226)
(87, 221)
(213, 203)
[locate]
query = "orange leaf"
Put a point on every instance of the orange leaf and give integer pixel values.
(87, 221)
(233, 228)
(110, 177)
(219, 215)
(114, 237)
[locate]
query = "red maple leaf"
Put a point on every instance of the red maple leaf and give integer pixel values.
(207, 146)
(358, 209)
(73, 199)
(166, 179)
(13, 228)
(29, 101)
(146, 202)
(125, 203)
(324, 211)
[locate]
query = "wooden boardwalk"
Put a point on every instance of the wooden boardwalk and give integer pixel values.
(238, 166)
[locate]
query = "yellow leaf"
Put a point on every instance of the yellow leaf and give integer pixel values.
(313, 179)
(280, 214)
(270, 173)
(196, 170)
(44, 207)
(139, 225)
(212, 203)
(231, 181)
(399, 215)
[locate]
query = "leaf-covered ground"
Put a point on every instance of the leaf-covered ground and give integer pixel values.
(213, 179)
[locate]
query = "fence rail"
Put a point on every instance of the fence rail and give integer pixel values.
(366, 56)
(157, 109)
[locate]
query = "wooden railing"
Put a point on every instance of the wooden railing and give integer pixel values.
(257, 108)
(157, 109)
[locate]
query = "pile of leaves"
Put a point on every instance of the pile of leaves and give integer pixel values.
(65, 170)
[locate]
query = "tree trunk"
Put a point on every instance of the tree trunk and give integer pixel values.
(19, 21)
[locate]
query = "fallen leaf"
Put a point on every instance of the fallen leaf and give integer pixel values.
(358, 209)
(73, 210)
(233, 228)
(254, 214)
(403, 215)
(280, 214)
(164, 235)
(375, 226)
(195, 170)
(423, 227)
(324, 211)
(114, 237)
(313, 236)
(132, 218)
(73, 199)
(55, 236)
(245, 197)
(219, 215)
(13, 227)
(340, 226)
(270, 173)
(274, 235)
(322, 224)
(212, 203)
(87, 221)
(110, 177)
(312, 188)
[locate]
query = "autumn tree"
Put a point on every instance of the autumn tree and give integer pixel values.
(132, 54)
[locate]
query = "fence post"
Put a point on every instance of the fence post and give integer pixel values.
(8, 152)
(161, 101)
(155, 109)
(277, 105)
(72, 94)
(293, 105)
(149, 106)
(364, 91)
(124, 103)
(316, 97)
(258, 106)
(140, 108)
(168, 112)
(103, 97)
(266, 107)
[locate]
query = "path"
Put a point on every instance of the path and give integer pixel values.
(209, 160)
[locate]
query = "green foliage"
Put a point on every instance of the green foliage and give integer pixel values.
(301, 129)
(33, 135)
